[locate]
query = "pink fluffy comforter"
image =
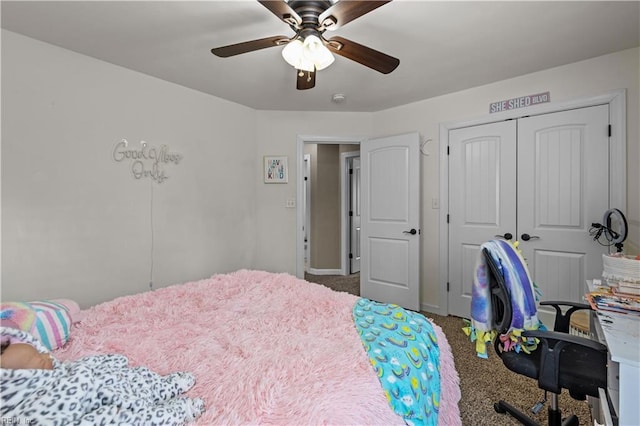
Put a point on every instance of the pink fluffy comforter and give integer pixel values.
(265, 349)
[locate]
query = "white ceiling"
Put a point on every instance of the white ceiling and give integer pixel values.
(443, 47)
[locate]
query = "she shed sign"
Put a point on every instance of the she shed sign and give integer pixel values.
(521, 102)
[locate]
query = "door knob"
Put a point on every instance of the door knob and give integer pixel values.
(527, 237)
(506, 236)
(412, 231)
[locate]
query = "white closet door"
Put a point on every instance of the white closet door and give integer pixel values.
(546, 176)
(563, 187)
(482, 200)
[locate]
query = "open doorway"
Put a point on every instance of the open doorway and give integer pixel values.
(325, 237)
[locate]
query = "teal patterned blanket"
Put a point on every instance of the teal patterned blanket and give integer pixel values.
(403, 349)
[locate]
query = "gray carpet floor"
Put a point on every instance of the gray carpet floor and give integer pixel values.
(482, 381)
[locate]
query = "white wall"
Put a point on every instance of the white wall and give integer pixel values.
(582, 79)
(75, 223)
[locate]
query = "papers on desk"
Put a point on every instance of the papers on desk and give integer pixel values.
(603, 299)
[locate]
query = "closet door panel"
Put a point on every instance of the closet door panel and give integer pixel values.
(559, 267)
(563, 182)
(482, 167)
(559, 168)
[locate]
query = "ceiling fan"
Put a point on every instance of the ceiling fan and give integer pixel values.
(308, 50)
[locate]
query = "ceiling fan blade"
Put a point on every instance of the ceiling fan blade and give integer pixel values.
(249, 46)
(305, 79)
(283, 11)
(364, 55)
(346, 11)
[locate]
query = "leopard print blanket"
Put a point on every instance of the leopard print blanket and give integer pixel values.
(99, 389)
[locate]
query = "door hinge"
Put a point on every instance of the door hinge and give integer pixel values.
(350, 171)
(447, 217)
(305, 178)
(350, 255)
(447, 149)
(350, 213)
(609, 130)
(447, 286)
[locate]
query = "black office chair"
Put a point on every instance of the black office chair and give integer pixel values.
(561, 361)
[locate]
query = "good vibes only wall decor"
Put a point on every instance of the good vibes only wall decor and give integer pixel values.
(147, 161)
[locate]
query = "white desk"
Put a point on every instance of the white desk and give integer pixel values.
(621, 334)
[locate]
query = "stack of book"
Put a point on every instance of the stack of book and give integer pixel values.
(621, 274)
(613, 300)
(627, 288)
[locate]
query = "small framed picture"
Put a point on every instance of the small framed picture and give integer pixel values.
(276, 169)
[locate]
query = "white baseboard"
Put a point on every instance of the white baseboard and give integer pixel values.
(314, 271)
(429, 308)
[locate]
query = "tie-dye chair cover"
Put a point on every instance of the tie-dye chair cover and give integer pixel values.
(522, 294)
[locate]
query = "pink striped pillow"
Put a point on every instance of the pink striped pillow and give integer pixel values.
(53, 319)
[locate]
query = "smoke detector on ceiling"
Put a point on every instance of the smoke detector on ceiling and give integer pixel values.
(338, 98)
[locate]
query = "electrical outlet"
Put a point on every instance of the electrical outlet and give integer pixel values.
(291, 203)
(435, 203)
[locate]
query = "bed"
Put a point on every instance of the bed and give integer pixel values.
(265, 348)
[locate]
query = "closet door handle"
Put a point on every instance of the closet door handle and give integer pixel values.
(527, 237)
(412, 231)
(506, 236)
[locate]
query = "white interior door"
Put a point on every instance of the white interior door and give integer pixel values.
(354, 216)
(563, 187)
(306, 190)
(559, 162)
(482, 200)
(390, 200)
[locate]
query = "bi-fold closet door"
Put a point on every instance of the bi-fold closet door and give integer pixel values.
(540, 180)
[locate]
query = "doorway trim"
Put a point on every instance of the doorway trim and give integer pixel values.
(345, 194)
(315, 139)
(617, 161)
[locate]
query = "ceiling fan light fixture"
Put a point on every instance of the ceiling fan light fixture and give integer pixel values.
(315, 51)
(293, 53)
(310, 55)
